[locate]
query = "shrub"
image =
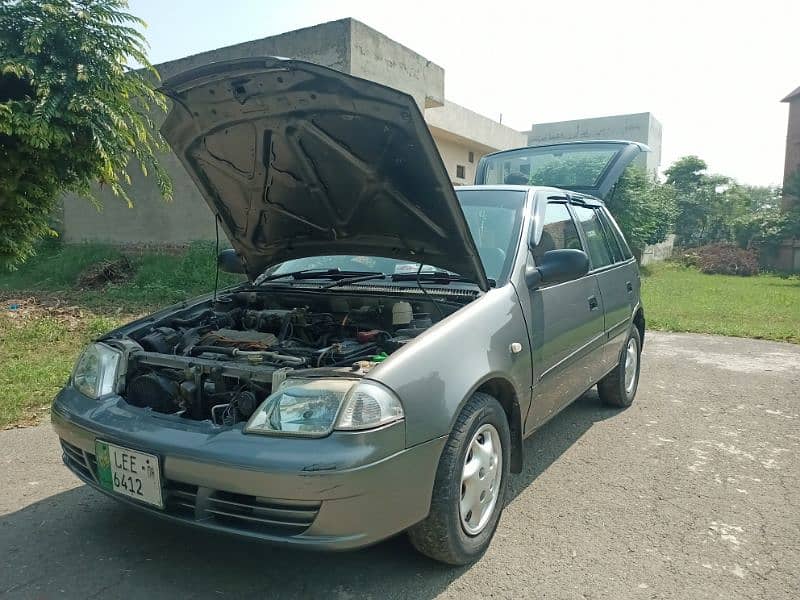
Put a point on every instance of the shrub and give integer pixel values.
(725, 259)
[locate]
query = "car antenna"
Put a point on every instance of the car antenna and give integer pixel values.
(427, 295)
(216, 256)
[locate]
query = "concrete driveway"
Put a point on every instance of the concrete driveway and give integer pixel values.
(692, 493)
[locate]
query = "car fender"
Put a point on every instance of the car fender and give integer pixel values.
(435, 374)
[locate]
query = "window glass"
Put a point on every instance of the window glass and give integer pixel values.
(614, 228)
(599, 248)
(616, 251)
(494, 218)
(576, 166)
(558, 233)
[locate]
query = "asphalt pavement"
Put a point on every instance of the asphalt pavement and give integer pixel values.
(691, 493)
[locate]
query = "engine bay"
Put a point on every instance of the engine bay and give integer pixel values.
(218, 361)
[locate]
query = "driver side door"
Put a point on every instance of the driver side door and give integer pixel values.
(566, 324)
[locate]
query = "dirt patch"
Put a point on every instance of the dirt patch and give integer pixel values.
(100, 274)
(26, 308)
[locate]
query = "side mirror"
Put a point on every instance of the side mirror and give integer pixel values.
(229, 261)
(557, 266)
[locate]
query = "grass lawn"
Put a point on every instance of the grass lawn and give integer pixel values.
(52, 320)
(45, 321)
(37, 351)
(682, 299)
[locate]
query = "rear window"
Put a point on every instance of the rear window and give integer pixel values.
(572, 167)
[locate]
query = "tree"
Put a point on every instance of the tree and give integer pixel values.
(71, 112)
(643, 207)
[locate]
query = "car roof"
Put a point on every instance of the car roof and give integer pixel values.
(532, 188)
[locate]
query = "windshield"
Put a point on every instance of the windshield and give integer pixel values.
(577, 166)
(494, 218)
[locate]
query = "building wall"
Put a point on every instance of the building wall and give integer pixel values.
(788, 255)
(639, 127)
(455, 153)
(346, 45)
(792, 164)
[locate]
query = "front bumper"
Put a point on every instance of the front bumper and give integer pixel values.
(344, 491)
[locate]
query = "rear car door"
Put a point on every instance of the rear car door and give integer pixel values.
(566, 324)
(617, 275)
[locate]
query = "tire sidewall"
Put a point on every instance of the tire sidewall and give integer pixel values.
(633, 335)
(474, 545)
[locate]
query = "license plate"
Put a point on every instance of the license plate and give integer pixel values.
(129, 472)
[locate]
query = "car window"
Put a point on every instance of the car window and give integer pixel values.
(612, 226)
(613, 242)
(599, 246)
(559, 231)
(494, 218)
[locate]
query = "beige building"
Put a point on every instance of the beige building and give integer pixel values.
(461, 135)
(788, 258)
(637, 127)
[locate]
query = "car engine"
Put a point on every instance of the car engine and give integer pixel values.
(220, 360)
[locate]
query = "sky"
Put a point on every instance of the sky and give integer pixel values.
(712, 72)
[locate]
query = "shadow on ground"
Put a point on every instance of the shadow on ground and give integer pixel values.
(81, 544)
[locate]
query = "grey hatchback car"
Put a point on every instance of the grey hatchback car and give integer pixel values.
(395, 339)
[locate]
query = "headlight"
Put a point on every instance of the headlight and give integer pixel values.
(95, 373)
(314, 408)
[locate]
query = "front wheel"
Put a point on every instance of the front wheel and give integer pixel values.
(471, 480)
(618, 388)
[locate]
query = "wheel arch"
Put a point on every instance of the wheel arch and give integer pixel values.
(501, 389)
(639, 323)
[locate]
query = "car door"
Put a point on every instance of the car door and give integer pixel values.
(615, 269)
(566, 324)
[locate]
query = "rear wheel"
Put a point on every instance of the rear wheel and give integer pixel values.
(618, 388)
(469, 492)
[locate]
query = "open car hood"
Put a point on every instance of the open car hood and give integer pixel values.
(300, 160)
(590, 167)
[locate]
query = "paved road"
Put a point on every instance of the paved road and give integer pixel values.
(692, 493)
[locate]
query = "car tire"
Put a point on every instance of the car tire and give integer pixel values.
(616, 389)
(445, 534)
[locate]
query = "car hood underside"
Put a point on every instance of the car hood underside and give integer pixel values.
(299, 160)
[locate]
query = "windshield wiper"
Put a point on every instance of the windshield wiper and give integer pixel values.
(354, 279)
(334, 273)
(442, 277)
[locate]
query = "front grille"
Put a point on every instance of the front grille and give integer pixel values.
(229, 510)
(266, 515)
(79, 460)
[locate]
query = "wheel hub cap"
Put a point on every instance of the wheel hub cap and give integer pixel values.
(631, 364)
(480, 479)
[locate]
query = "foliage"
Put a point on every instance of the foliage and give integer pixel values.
(715, 209)
(643, 207)
(724, 259)
(766, 226)
(696, 193)
(71, 112)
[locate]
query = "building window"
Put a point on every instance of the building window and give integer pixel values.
(472, 157)
(461, 172)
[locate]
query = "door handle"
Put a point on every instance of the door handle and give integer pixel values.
(593, 304)
(629, 287)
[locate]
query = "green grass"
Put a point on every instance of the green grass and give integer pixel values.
(161, 278)
(36, 357)
(39, 346)
(683, 299)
